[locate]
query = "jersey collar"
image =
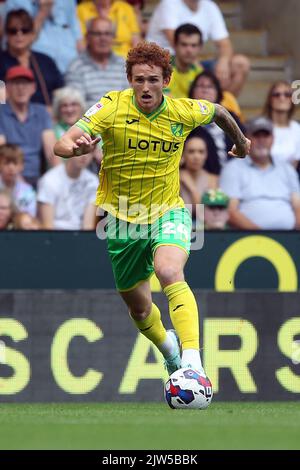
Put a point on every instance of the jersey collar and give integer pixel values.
(154, 114)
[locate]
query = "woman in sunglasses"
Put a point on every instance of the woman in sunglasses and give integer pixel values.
(19, 36)
(279, 107)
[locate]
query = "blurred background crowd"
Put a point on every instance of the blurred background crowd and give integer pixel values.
(58, 57)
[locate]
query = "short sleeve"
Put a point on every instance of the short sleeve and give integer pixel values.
(218, 29)
(230, 180)
(99, 116)
(167, 15)
(203, 112)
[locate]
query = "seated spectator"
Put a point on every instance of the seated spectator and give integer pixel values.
(66, 196)
(56, 28)
(194, 180)
(68, 107)
(231, 70)
(216, 213)
(26, 124)
(24, 221)
(186, 66)
(264, 194)
(11, 168)
(280, 109)
(206, 86)
(97, 70)
(19, 35)
(7, 210)
(123, 17)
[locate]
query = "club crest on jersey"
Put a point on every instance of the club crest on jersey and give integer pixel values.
(94, 109)
(177, 129)
(203, 108)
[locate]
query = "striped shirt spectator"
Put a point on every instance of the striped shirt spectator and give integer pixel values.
(98, 69)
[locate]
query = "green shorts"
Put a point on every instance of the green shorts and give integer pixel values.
(131, 247)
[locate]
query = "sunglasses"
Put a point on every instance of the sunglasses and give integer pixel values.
(98, 34)
(14, 31)
(278, 94)
(218, 207)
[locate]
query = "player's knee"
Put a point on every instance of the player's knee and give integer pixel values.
(168, 274)
(139, 314)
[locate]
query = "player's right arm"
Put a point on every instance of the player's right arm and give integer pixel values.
(74, 143)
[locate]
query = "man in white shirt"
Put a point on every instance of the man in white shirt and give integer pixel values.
(263, 194)
(66, 196)
(232, 70)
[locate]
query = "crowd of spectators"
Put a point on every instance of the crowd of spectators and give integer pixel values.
(59, 57)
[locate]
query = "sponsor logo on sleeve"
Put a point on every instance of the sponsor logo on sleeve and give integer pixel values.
(94, 109)
(203, 108)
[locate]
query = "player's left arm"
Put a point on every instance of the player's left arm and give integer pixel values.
(227, 123)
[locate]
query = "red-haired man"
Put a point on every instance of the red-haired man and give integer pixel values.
(143, 134)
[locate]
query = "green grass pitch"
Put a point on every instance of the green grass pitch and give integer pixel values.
(149, 426)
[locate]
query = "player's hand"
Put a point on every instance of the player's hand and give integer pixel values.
(222, 71)
(240, 150)
(85, 144)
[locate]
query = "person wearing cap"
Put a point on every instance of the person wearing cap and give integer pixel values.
(264, 194)
(26, 124)
(216, 214)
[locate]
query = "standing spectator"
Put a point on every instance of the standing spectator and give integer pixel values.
(280, 109)
(263, 194)
(216, 213)
(19, 34)
(66, 196)
(6, 210)
(98, 69)
(206, 86)
(26, 124)
(123, 17)
(56, 27)
(231, 70)
(11, 168)
(186, 67)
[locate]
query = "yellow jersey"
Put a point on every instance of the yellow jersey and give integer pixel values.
(180, 84)
(139, 175)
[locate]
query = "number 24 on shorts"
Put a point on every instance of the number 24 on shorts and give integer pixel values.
(170, 228)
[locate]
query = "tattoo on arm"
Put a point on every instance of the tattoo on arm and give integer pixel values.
(227, 123)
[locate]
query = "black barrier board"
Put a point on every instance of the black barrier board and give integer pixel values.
(79, 260)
